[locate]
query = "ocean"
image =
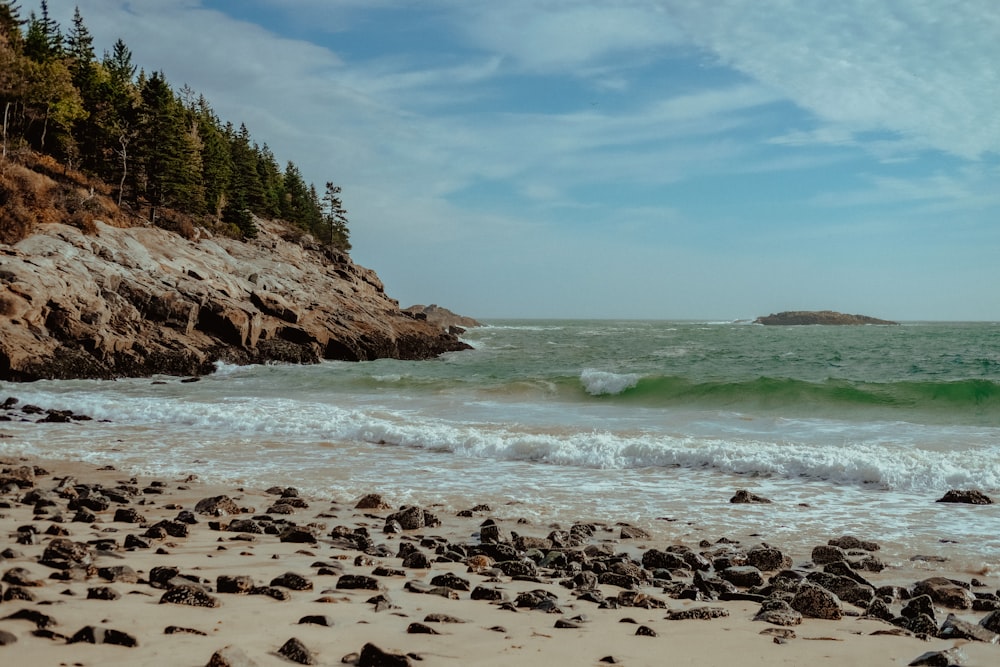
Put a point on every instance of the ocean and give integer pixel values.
(848, 430)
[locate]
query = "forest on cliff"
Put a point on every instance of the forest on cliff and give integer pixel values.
(88, 138)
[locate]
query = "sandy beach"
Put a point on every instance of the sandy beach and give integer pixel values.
(65, 571)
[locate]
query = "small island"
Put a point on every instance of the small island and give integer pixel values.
(800, 317)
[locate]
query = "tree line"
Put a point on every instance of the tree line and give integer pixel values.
(160, 148)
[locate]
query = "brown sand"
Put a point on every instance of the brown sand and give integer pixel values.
(259, 625)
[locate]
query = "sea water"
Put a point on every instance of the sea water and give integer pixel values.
(848, 430)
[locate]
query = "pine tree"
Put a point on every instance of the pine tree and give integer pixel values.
(44, 41)
(335, 218)
(245, 187)
(169, 157)
(11, 22)
(216, 163)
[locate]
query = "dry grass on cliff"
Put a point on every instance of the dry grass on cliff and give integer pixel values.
(38, 190)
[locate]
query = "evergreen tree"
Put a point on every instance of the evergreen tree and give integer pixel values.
(216, 163)
(80, 51)
(119, 64)
(294, 205)
(245, 186)
(44, 40)
(169, 157)
(335, 218)
(11, 22)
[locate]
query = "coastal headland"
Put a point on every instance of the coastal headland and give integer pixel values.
(100, 567)
(140, 301)
(825, 317)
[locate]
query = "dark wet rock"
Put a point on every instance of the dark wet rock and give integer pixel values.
(848, 542)
(487, 593)
(847, 589)
(357, 581)
(826, 553)
(619, 580)
(409, 517)
(103, 593)
(186, 516)
(441, 618)
(767, 559)
(634, 533)
(567, 624)
(177, 630)
(62, 553)
(162, 529)
(955, 628)
(7, 638)
(119, 574)
(711, 587)
(878, 608)
(744, 496)
(421, 629)
(19, 576)
(814, 601)
(296, 651)
(373, 656)
(991, 621)
(372, 501)
(292, 581)
(230, 656)
(640, 600)
(129, 515)
(236, 584)
(316, 619)
(40, 620)
(645, 631)
(518, 568)
(745, 576)
(654, 559)
(217, 506)
(922, 625)
(192, 596)
(298, 535)
(248, 526)
(945, 658)
(696, 613)
(491, 533)
(18, 593)
(451, 581)
(945, 592)
(417, 560)
(94, 635)
(921, 604)
(135, 542)
(971, 497)
(21, 476)
(273, 592)
(778, 612)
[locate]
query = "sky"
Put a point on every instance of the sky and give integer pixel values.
(653, 159)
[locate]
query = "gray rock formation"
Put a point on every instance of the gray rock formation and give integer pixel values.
(817, 317)
(142, 301)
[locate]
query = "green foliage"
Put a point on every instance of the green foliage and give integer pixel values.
(158, 147)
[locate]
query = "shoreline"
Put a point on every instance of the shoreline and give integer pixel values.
(535, 618)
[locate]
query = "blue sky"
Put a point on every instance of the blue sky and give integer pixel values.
(632, 159)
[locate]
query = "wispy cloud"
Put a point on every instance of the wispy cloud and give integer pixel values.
(917, 67)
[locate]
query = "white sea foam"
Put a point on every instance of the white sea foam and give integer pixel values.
(598, 383)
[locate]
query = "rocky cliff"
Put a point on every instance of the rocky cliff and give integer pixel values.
(817, 317)
(142, 301)
(441, 317)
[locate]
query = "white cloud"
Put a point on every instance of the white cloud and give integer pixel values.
(921, 68)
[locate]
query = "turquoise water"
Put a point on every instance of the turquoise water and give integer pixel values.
(847, 429)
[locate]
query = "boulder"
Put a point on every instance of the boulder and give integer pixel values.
(945, 592)
(970, 497)
(744, 496)
(814, 601)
